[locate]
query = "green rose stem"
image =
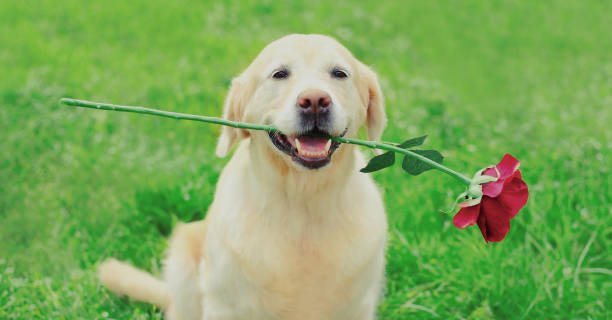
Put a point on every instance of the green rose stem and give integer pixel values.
(242, 125)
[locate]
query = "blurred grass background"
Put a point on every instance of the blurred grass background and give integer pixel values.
(532, 78)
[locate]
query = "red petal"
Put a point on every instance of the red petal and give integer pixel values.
(493, 189)
(495, 221)
(482, 225)
(506, 167)
(466, 216)
(514, 195)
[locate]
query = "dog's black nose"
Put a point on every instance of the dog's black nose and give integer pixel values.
(314, 101)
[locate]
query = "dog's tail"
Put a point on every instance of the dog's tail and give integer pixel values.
(124, 279)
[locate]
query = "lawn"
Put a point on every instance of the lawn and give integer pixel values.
(481, 78)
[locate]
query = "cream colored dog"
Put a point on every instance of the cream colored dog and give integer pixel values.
(295, 231)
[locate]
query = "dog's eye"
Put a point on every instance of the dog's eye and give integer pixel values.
(281, 74)
(338, 74)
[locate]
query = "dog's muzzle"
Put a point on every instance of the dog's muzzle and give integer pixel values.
(312, 149)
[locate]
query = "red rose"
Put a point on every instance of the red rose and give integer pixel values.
(500, 202)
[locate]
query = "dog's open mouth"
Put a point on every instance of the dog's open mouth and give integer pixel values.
(313, 149)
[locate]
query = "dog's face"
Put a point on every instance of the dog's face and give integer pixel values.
(309, 87)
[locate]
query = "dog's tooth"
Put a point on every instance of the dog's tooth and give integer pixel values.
(327, 145)
(298, 146)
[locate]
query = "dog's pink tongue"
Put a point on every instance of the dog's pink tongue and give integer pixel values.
(311, 146)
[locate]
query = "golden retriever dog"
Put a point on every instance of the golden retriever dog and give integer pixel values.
(295, 231)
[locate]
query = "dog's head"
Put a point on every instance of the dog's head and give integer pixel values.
(310, 87)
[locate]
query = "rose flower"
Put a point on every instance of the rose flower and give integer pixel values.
(500, 202)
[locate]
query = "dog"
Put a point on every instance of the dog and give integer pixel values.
(295, 231)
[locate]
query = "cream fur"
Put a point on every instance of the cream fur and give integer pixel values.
(280, 241)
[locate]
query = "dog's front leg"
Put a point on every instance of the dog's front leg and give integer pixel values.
(366, 309)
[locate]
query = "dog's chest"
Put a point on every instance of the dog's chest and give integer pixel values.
(305, 271)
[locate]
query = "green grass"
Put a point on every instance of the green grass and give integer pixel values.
(481, 78)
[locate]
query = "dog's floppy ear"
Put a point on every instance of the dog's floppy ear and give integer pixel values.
(376, 117)
(233, 110)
